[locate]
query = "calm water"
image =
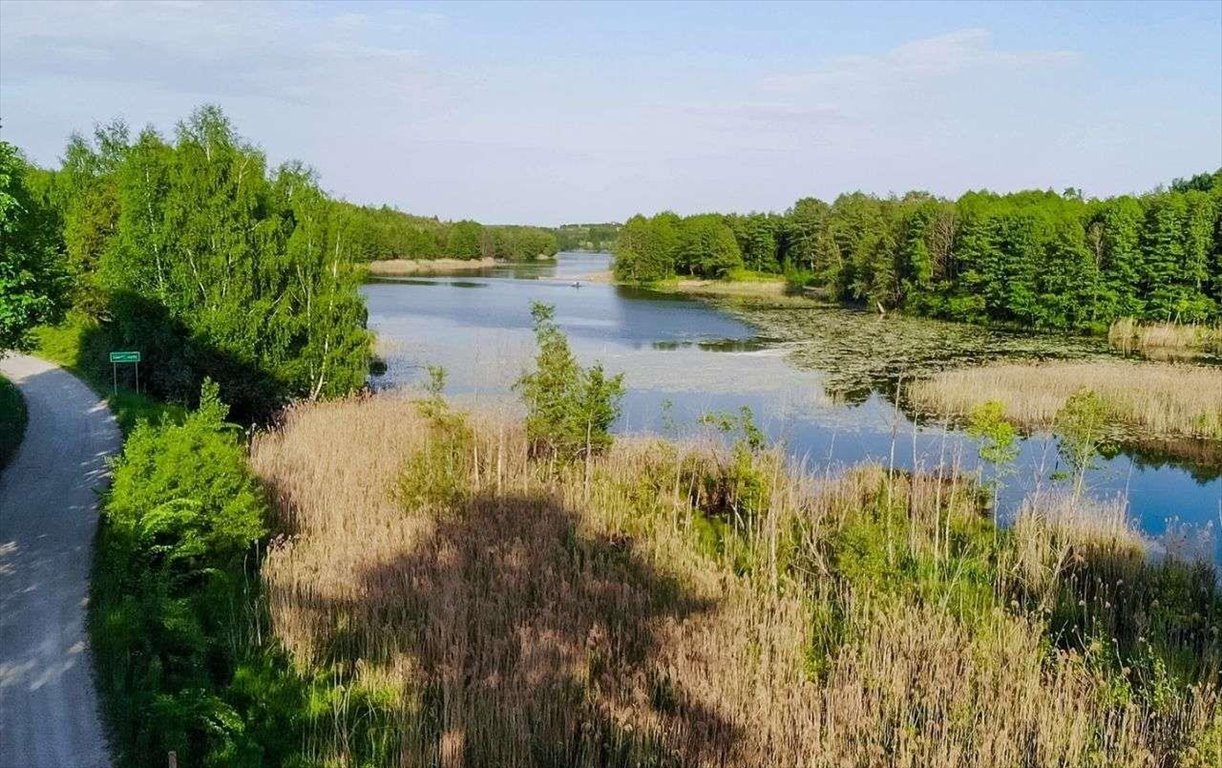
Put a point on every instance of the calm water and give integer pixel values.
(682, 358)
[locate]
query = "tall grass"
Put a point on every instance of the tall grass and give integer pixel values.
(1149, 399)
(1165, 339)
(686, 604)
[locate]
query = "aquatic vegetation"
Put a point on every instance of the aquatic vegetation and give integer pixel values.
(863, 351)
(1166, 340)
(1142, 399)
(702, 605)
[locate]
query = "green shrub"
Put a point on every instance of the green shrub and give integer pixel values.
(570, 409)
(174, 606)
(12, 420)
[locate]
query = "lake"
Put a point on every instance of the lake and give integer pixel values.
(829, 399)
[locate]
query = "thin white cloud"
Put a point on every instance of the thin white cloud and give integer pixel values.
(208, 50)
(957, 52)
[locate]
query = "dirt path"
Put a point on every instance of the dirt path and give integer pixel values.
(48, 706)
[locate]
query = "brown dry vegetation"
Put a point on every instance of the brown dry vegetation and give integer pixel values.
(1150, 400)
(685, 605)
(1165, 340)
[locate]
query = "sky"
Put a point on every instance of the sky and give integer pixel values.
(551, 113)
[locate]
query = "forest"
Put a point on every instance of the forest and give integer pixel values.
(587, 237)
(385, 233)
(1032, 259)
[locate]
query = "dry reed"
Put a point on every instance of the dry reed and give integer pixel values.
(514, 614)
(1153, 400)
(1168, 340)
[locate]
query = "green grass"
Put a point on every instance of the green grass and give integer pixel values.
(81, 345)
(13, 419)
(745, 275)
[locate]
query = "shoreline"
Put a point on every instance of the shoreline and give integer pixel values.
(761, 289)
(405, 267)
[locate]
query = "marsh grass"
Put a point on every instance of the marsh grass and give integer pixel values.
(1144, 400)
(690, 604)
(1165, 340)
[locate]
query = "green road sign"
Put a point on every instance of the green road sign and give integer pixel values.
(124, 357)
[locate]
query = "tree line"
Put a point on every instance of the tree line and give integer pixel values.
(193, 251)
(1033, 258)
(587, 237)
(382, 233)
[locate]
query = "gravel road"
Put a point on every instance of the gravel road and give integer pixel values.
(48, 514)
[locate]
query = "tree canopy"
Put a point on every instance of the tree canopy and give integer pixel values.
(1035, 258)
(194, 252)
(33, 280)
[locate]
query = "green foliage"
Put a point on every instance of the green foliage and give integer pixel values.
(13, 419)
(587, 237)
(645, 250)
(998, 437)
(741, 491)
(570, 409)
(707, 247)
(1083, 427)
(1030, 258)
(33, 282)
(173, 603)
(81, 344)
(212, 265)
(382, 233)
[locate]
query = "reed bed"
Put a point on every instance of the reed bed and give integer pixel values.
(687, 605)
(1165, 339)
(1150, 400)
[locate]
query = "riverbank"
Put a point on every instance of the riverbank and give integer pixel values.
(408, 267)
(755, 288)
(500, 607)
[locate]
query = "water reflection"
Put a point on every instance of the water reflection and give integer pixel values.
(822, 380)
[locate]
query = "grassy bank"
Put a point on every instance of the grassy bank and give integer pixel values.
(683, 604)
(739, 284)
(82, 345)
(1145, 400)
(12, 420)
(407, 267)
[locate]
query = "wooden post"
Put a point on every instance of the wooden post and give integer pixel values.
(173, 757)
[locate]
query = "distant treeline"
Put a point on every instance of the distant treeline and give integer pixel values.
(1033, 258)
(587, 237)
(386, 233)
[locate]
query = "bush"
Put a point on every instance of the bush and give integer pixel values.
(570, 409)
(173, 605)
(12, 420)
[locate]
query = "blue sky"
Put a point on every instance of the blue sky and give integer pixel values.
(546, 113)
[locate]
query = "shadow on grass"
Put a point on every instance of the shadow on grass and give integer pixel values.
(532, 642)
